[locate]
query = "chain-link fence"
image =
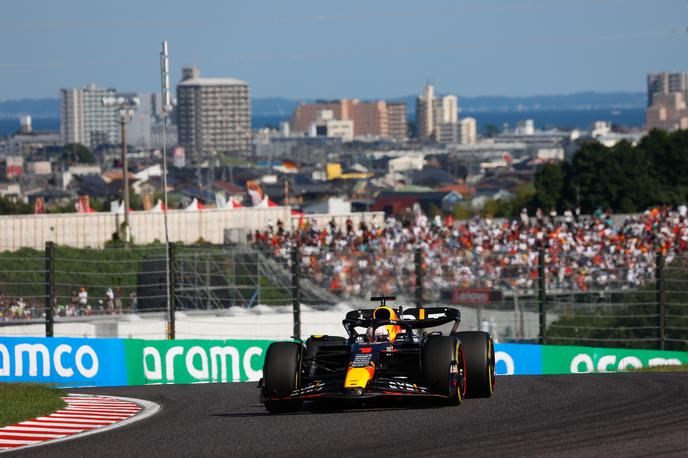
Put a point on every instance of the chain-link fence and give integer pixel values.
(262, 288)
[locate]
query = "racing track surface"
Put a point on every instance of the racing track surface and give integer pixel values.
(632, 414)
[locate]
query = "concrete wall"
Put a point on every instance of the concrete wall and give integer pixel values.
(82, 230)
(94, 229)
(260, 322)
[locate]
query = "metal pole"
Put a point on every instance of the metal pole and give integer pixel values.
(125, 170)
(295, 292)
(542, 295)
(50, 297)
(419, 278)
(171, 298)
(659, 291)
(165, 99)
(517, 334)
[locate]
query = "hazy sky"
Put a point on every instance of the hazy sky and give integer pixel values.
(351, 48)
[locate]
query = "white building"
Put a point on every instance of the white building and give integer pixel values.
(447, 109)
(468, 131)
(84, 119)
(410, 161)
(425, 124)
(331, 206)
(526, 127)
(326, 125)
(213, 115)
(437, 117)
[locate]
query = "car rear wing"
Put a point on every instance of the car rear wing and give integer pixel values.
(420, 318)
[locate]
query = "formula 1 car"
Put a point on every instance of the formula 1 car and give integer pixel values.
(393, 355)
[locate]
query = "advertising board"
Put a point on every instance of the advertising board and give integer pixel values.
(74, 362)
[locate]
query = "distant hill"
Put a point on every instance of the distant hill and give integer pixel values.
(563, 102)
(280, 106)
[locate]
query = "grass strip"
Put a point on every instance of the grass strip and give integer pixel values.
(25, 401)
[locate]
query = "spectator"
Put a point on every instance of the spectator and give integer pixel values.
(110, 301)
(581, 253)
(83, 297)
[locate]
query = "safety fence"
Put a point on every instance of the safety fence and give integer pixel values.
(72, 362)
(530, 295)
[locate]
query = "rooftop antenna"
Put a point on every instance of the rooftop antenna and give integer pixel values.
(164, 110)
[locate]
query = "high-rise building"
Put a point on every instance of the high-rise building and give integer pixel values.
(397, 121)
(85, 119)
(139, 128)
(668, 112)
(666, 83)
(667, 99)
(437, 117)
(447, 110)
(425, 110)
(468, 131)
(213, 115)
(370, 119)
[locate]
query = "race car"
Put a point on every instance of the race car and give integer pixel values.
(388, 353)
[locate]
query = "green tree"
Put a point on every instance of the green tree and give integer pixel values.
(549, 185)
(77, 153)
(491, 131)
(9, 207)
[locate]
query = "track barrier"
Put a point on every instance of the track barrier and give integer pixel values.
(74, 362)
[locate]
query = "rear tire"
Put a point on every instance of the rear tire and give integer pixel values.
(443, 367)
(480, 363)
(281, 376)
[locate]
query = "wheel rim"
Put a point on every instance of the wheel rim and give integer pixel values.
(462, 375)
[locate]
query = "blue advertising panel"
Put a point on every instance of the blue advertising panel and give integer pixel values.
(63, 362)
(518, 359)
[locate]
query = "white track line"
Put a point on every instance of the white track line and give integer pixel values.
(70, 423)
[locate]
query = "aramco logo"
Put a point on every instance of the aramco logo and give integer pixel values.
(64, 361)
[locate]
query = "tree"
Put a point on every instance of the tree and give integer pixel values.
(549, 184)
(491, 131)
(8, 207)
(76, 152)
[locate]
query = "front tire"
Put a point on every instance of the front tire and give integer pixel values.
(443, 367)
(281, 376)
(480, 363)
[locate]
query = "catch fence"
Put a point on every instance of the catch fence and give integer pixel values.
(281, 289)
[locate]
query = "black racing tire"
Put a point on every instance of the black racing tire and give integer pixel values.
(281, 376)
(480, 363)
(443, 367)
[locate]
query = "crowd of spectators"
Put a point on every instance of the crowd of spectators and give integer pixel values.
(16, 308)
(582, 253)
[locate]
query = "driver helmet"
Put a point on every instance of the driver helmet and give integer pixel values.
(387, 332)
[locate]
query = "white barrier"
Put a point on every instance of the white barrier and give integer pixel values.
(260, 322)
(81, 230)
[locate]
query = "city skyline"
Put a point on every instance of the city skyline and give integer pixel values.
(310, 50)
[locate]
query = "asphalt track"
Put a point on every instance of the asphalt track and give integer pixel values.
(632, 414)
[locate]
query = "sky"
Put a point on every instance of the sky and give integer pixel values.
(354, 48)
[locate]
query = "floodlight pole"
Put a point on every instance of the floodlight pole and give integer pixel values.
(125, 170)
(165, 106)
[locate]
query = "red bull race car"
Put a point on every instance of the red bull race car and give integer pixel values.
(388, 353)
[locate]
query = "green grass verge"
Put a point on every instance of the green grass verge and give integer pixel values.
(681, 368)
(25, 401)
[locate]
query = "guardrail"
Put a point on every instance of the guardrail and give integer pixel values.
(73, 362)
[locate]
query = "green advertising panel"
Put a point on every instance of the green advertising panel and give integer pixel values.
(575, 360)
(194, 361)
